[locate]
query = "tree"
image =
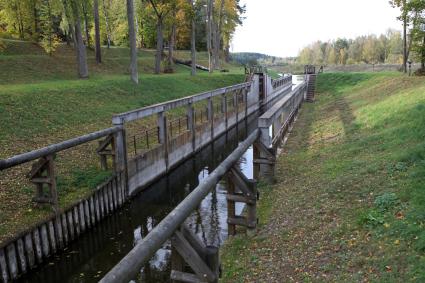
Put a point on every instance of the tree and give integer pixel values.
(108, 29)
(162, 8)
(210, 32)
(404, 17)
(80, 48)
(192, 37)
(49, 39)
(133, 45)
(418, 30)
(98, 50)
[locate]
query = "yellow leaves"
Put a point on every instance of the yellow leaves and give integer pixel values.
(386, 225)
(397, 242)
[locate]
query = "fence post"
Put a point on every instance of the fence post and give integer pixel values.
(191, 124)
(210, 110)
(120, 147)
(163, 135)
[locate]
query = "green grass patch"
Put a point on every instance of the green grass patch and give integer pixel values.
(349, 204)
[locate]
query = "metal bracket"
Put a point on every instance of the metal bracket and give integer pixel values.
(42, 174)
(103, 150)
(202, 260)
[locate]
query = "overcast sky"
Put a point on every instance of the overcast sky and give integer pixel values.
(283, 27)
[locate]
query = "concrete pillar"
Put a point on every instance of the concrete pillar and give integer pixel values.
(163, 135)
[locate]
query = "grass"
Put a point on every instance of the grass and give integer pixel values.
(349, 202)
(43, 102)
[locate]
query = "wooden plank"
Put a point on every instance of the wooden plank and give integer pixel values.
(92, 210)
(3, 267)
(75, 212)
(263, 161)
(240, 198)
(106, 199)
(185, 277)
(70, 225)
(110, 198)
(191, 257)
(194, 241)
(114, 193)
(64, 229)
(240, 221)
(37, 245)
(59, 233)
(97, 205)
(12, 262)
(21, 255)
(29, 250)
(101, 203)
(52, 237)
(118, 189)
(81, 216)
(44, 240)
(87, 214)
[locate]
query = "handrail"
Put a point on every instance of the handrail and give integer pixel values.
(168, 105)
(128, 268)
(269, 116)
(35, 154)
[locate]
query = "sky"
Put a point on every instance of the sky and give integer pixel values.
(283, 27)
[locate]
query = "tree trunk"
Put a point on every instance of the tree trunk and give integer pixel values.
(404, 37)
(86, 23)
(193, 42)
(98, 51)
(133, 47)
(159, 45)
(423, 55)
(171, 44)
(210, 7)
(80, 47)
(108, 31)
(218, 33)
(227, 53)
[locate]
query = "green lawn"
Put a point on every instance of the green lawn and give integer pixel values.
(349, 202)
(43, 102)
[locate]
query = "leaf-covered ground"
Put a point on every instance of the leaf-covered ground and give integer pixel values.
(349, 202)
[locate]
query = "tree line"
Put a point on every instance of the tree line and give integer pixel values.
(393, 47)
(165, 25)
(371, 49)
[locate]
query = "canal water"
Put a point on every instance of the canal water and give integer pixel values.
(90, 257)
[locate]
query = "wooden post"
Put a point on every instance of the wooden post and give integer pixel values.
(241, 189)
(191, 124)
(204, 261)
(266, 159)
(163, 135)
(231, 211)
(210, 112)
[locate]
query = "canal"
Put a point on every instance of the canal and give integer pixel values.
(90, 257)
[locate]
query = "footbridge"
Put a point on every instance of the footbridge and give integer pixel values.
(143, 146)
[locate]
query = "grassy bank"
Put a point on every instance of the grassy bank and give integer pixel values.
(42, 102)
(349, 202)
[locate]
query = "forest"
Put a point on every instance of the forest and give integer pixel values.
(164, 25)
(393, 47)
